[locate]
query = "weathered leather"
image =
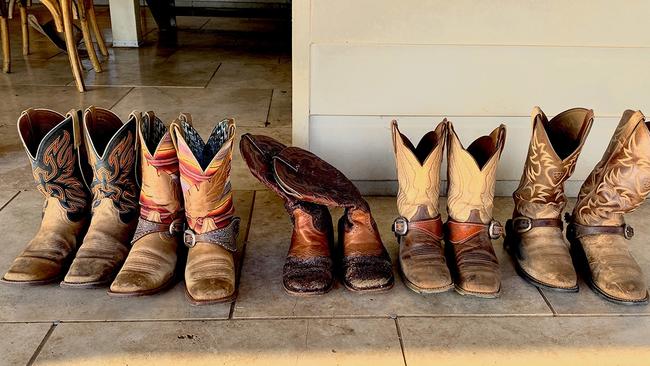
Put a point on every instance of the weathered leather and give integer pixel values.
(308, 266)
(619, 183)
(151, 263)
(49, 140)
(366, 264)
(472, 175)
(111, 153)
(541, 254)
(421, 254)
(207, 193)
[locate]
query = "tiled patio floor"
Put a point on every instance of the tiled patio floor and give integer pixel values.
(221, 71)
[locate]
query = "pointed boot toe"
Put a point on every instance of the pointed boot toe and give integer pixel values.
(311, 276)
(554, 275)
(632, 291)
(367, 273)
(31, 270)
(89, 273)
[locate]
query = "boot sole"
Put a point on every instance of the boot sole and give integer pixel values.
(482, 295)
(378, 289)
(195, 302)
(421, 290)
(85, 285)
(166, 286)
(31, 283)
(581, 262)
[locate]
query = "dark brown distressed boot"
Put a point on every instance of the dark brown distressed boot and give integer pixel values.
(308, 266)
(111, 149)
(52, 143)
(419, 228)
(471, 227)
(619, 184)
(151, 263)
(365, 263)
(534, 236)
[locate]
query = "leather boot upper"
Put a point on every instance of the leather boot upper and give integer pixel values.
(52, 145)
(472, 177)
(152, 260)
(421, 254)
(536, 234)
(111, 153)
(212, 230)
(619, 183)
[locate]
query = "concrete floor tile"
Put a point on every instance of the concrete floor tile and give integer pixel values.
(19, 341)
(51, 303)
(261, 294)
(239, 75)
(529, 341)
(6, 196)
(55, 71)
(249, 107)
(280, 111)
(263, 342)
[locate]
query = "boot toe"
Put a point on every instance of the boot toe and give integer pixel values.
(32, 270)
(211, 290)
(133, 282)
(481, 284)
(560, 276)
(89, 271)
(627, 290)
(312, 275)
(428, 277)
(368, 273)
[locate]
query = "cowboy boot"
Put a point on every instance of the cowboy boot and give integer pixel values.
(419, 228)
(52, 143)
(212, 230)
(151, 263)
(111, 150)
(470, 227)
(365, 263)
(308, 266)
(619, 184)
(534, 236)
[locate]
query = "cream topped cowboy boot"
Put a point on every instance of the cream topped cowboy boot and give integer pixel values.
(151, 264)
(111, 149)
(52, 143)
(419, 228)
(471, 227)
(534, 236)
(212, 229)
(619, 184)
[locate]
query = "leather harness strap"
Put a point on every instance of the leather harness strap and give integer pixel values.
(146, 227)
(460, 232)
(522, 224)
(576, 231)
(432, 227)
(225, 237)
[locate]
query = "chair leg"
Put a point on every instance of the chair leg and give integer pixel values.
(92, 18)
(6, 49)
(22, 7)
(88, 39)
(73, 55)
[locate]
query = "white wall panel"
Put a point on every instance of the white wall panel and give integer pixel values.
(362, 79)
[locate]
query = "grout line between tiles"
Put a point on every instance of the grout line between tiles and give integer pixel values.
(9, 201)
(399, 337)
(122, 98)
(547, 301)
(240, 265)
(268, 111)
(212, 76)
(38, 349)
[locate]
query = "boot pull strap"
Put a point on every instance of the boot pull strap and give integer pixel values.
(78, 138)
(185, 117)
(137, 115)
(395, 130)
(77, 128)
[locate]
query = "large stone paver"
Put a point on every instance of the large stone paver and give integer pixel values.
(51, 303)
(258, 342)
(18, 341)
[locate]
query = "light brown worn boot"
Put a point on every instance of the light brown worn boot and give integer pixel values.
(534, 236)
(212, 230)
(619, 183)
(419, 227)
(111, 149)
(151, 264)
(472, 176)
(52, 143)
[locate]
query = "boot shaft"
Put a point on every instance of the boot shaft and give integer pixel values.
(52, 143)
(161, 198)
(472, 175)
(205, 173)
(552, 155)
(111, 152)
(418, 172)
(621, 181)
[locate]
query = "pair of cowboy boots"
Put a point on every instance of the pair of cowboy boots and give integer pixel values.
(307, 184)
(91, 223)
(425, 248)
(596, 230)
(184, 180)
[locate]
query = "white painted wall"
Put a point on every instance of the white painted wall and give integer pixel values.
(358, 64)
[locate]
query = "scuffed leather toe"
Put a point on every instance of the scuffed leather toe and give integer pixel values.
(559, 275)
(367, 273)
(428, 277)
(133, 282)
(30, 269)
(211, 290)
(480, 283)
(92, 271)
(626, 290)
(307, 276)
